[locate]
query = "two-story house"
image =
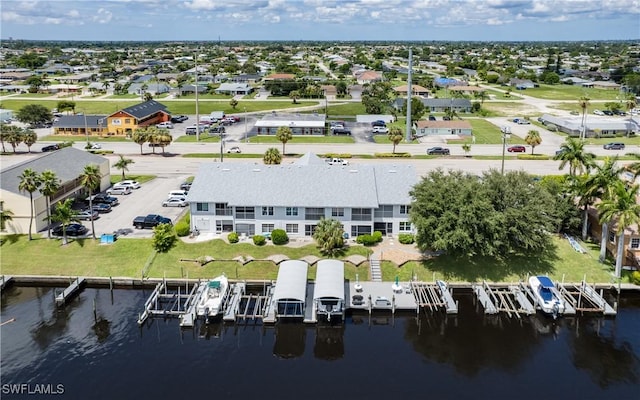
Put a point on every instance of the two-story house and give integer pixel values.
(251, 198)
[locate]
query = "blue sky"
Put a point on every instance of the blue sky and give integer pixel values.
(482, 20)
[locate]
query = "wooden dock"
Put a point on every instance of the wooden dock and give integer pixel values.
(372, 296)
(5, 281)
(512, 300)
(434, 296)
(484, 298)
(584, 299)
(69, 292)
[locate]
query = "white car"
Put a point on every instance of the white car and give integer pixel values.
(119, 190)
(234, 149)
(165, 125)
(598, 112)
(338, 161)
(128, 183)
(174, 202)
(380, 129)
(95, 146)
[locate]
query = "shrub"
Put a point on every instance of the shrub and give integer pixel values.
(635, 277)
(392, 155)
(233, 237)
(164, 238)
(259, 240)
(366, 240)
(406, 238)
(279, 236)
(377, 236)
(533, 157)
(182, 229)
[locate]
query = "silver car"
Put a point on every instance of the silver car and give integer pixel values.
(174, 202)
(86, 215)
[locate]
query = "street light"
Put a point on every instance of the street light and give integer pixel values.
(506, 135)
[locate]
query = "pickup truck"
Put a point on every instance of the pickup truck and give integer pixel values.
(337, 161)
(150, 221)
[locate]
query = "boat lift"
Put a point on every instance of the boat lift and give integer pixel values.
(167, 302)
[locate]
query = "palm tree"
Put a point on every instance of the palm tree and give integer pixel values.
(284, 134)
(29, 137)
(5, 216)
(572, 152)
(50, 186)
(123, 164)
(29, 182)
(329, 235)
(90, 179)
(272, 156)
(634, 167)
(533, 139)
(140, 136)
(14, 136)
(395, 136)
(294, 95)
(583, 102)
(164, 139)
(620, 206)
(64, 214)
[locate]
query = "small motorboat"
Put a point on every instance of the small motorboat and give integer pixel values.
(547, 296)
(212, 297)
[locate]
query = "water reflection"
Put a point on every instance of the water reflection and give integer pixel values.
(329, 343)
(289, 340)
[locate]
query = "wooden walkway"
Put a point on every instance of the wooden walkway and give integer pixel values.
(69, 292)
(434, 296)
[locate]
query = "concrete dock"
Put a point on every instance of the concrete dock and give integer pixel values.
(70, 291)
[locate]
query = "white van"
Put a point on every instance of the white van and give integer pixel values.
(178, 193)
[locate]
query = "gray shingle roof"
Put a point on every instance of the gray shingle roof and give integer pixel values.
(145, 109)
(295, 185)
(68, 163)
(78, 121)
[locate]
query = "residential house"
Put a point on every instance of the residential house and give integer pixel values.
(141, 115)
(75, 78)
(631, 257)
(441, 105)
(68, 164)
(234, 89)
(84, 126)
(603, 85)
(300, 124)
(364, 198)
(521, 84)
(191, 89)
(446, 82)
(366, 77)
(279, 77)
(151, 87)
(417, 90)
(246, 78)
(594, 127)
(441, 128)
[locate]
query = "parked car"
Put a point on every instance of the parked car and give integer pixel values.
(234, 149)
(598, 112)
(337, 161)
(177, 193)
(101, 207)
(378, 122)
(608, 112)
(334, 126)
(446, 118)
(574, 112)
(50, 147)
(93, 146)
(179, 119)
(87, 215)
(71, 230)
(516, 149)
(432, 118)
(185, 186)
(104, 198)
(165, 125)
(217, 129)
(521, 121)
(150, 221)
(341, 131)
(130, 183)
(438, 150)
(614, 146)
(380, 129)
(174, 202)
(119, 190)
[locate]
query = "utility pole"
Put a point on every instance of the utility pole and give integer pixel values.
(86, 128)
(409, 93)
(196, 87)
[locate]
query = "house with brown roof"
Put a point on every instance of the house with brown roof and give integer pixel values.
(417, 90)
(631, 258)
(364, 77)
(441, 128)
(148, 113)
(279, 77)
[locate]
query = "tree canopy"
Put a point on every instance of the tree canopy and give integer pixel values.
(492, 215)
(34, 114)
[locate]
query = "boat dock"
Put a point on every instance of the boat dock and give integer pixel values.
(177, 302)
(585, 299)
(434, 297)
(233, 305)
(69, 292)
(5, 281)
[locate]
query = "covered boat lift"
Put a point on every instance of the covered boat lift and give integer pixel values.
(328, 296)
(290, 292)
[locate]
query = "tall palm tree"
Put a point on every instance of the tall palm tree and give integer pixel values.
(29, 137)
(284, 134)
(90, 179)
(29, 182)
(572, 152)
(123, 164)
(621, 207)
(140, 136)
(533, 139)
(395, 136)
(64, 214)
(50, 186)
(272, 156)
(634, 167)
(583, 102)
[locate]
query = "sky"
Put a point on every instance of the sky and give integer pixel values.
(325, 20)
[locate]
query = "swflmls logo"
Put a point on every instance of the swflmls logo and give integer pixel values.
(32, 388)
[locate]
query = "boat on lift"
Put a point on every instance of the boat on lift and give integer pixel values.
(547, 296)
(212, 298)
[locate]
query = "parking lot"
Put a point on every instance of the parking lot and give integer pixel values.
(146, 200)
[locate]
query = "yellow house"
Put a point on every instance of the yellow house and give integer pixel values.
(125, 121)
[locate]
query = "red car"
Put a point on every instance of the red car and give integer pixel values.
(516, 149)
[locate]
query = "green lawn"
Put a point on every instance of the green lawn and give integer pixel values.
(569, 92)
(303, 139)
(140, 178)
(349, 109)
(204, 138)
(573, 106)
(486, 133)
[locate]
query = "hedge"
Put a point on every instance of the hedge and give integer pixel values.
(259, 240)
(233, 237)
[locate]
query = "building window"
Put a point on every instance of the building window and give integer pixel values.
(405, 226)
(337, 212)
(292, 211)
(223, 209)
(292, 228)
(313, 213)
(267, 228)
(357, 230)
(202, 206)
(361, 214)
(383, 212)
(127, 120)
(404, 210)
(612, 237)
(267, 211)
(309, 230)
(635, 243)
(245, 213)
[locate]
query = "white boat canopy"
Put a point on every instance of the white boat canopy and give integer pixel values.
(291, 288)
(329, 282)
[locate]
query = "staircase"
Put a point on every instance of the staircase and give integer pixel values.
(375, 274)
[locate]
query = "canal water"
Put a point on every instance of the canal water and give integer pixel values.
(72, 353)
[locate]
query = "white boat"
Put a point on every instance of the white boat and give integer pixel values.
(212, 297)
(547, 296)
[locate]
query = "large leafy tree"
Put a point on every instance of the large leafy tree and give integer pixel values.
(34, 114)
(494, 215)
(272, 156)
(572, 152)
(284, 134)
(533, 139)
(29, 182)
(123, 165)
(620, 207)
(65, 215)
(417, 109)
(377, 97)
(329, 235)
(35, 82)
(395, 136)
(50, 186)
(66, 105)
(90, 179)
(164, 237)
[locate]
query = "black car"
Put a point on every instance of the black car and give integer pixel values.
(378, 123)
(71, 230)
(438, 150)
(432, 118)
(608, 112)
(179, 118)
(341, 131)
(217, 129)
(103, 198)
(185, 186)
(51, 147)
